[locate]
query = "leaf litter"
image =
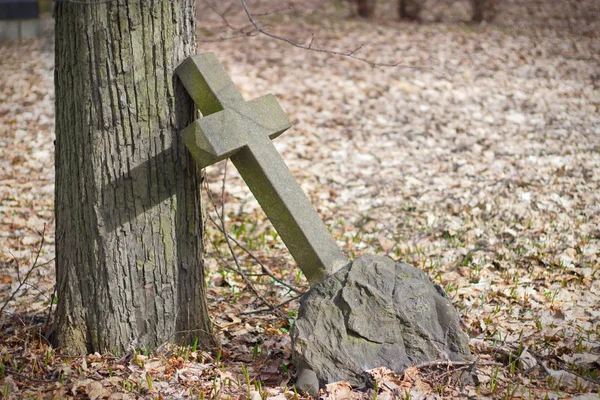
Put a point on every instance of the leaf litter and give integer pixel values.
(477, 161)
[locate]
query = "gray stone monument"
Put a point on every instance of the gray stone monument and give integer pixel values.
(357, 315)
(240, 130)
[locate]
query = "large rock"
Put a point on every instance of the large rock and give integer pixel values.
(373, 312)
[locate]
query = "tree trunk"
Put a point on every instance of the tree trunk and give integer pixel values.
(478, 10)
(366, 8)
(483, 10)
(409, 9)
(128, 213)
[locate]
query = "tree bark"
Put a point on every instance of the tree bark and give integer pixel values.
(128, 214)
(409, 9)
(366, 8)
(483, 10)
(478, 10)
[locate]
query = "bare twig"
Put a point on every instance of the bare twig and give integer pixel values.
(17, 266)
(35, 288)
(50, 308)
(237, 270)
(269, 309)
(263, 267)
(538, 357)
(23, 281)
(350, 53)
(222, 39)
(20, 375)
(255, 29)
(222, 216)
(248, 283)
(267, 271)
(223, 16)
(449, 363)
(452, 372)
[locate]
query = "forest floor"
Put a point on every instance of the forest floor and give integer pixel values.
(476, 159)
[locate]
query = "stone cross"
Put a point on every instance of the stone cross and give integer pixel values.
(242, 131)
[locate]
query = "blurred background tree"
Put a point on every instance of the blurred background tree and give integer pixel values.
(481, 10)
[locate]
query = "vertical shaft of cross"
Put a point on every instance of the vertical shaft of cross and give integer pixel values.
(242, 131)
(289, 210)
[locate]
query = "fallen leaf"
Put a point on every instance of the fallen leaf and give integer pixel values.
(338, 391)
(385, 243)
(95, 390)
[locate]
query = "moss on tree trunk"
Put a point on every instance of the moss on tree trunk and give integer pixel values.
(128, 213)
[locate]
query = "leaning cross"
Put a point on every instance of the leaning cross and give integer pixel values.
(240, 130)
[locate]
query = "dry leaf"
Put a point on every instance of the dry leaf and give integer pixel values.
(95, 390)
(385, 243)
(338, 391)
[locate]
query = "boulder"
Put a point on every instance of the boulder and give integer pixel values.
(373, 312)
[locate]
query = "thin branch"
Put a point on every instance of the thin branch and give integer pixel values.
(267, 271)
(248, 282)
(223, 14)
(538, 357)
(449, 363)
(222, 39)
(310, 47)
(263, 267)
(50, 308)
(20, 375)
(17, 266)
(238, 270)
(278, 306)
(254, 29)
(38, 290)
(222, 216)
(33, 267)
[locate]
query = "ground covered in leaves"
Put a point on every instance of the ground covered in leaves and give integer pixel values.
(476, 159)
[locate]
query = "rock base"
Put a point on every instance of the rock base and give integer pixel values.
(374, 312)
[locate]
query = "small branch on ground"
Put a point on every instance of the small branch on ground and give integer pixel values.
(248, 283)
(23, 282)
(263, 310)
(267, 271)
(550, 372)
(30, 379)
(238, 269)
(449, 363)
(50, 308)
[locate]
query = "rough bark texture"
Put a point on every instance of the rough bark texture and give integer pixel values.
(366, 8)
(128, 216)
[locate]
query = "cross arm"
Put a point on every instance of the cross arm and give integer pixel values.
(219, 135)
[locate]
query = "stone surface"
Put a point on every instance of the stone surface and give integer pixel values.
(374, 312)
(19, 29)
(240, 130)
